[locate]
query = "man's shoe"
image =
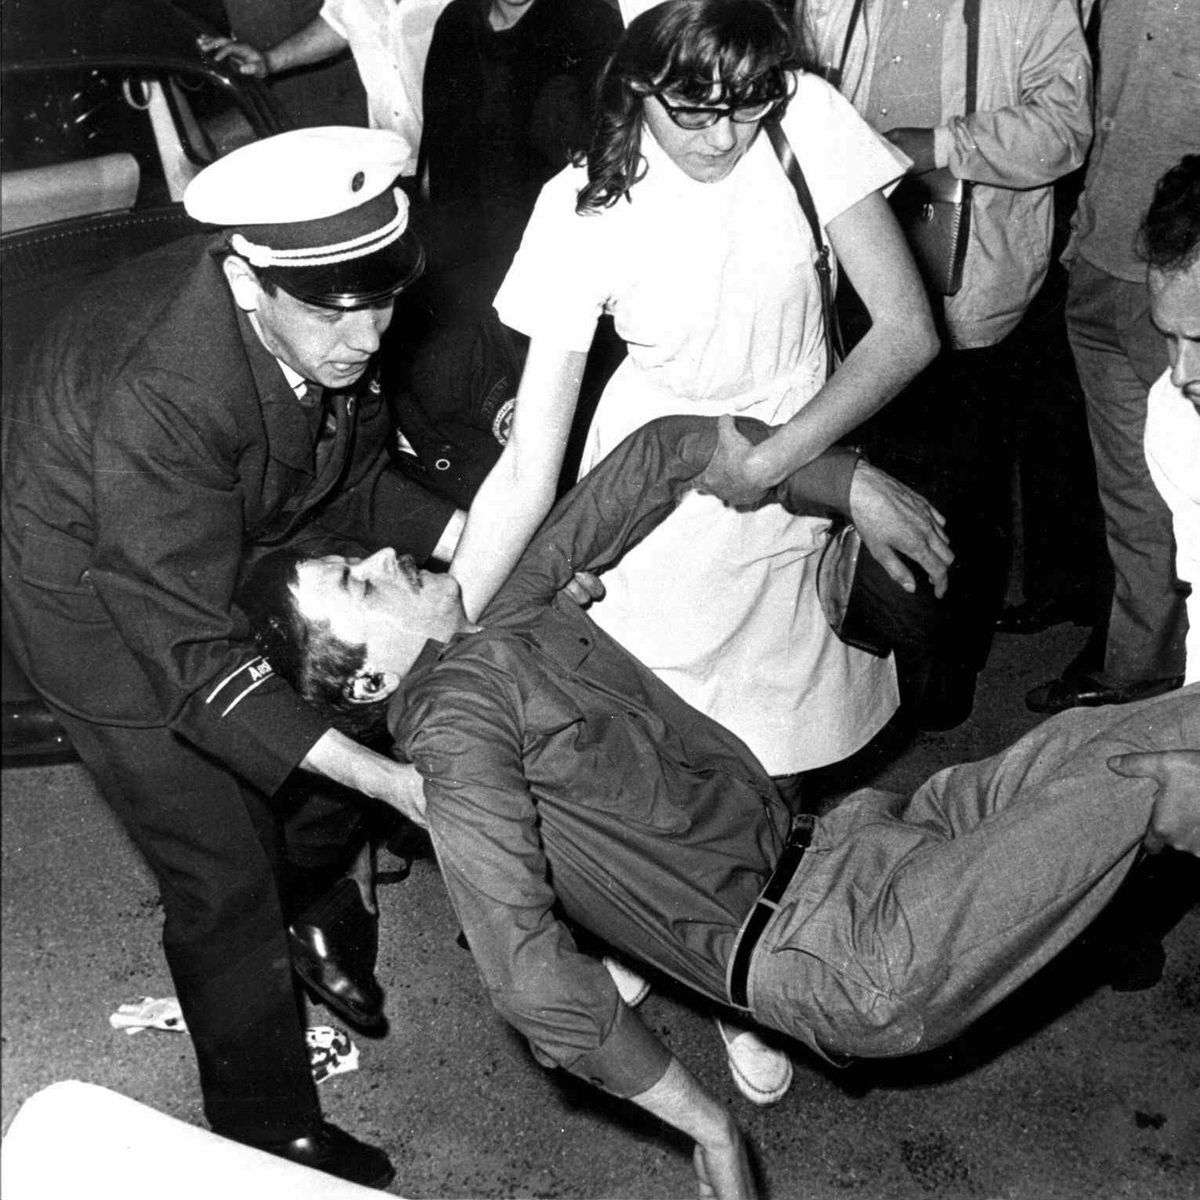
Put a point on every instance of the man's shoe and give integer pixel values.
(631, 987)
(1035, 615)
(1082, 692)
(762, 1073)
(333, 952)
(335, 1152)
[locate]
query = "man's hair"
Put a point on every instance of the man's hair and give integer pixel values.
(305, 653)
(681, 46)
(1169, 239)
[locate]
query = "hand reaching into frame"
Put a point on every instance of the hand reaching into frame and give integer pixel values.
(246, 58)
(1175, 817)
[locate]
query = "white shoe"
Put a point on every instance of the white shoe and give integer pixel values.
(631, 987)
(762, 1073)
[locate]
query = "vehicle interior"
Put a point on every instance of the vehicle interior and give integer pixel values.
(108, 112)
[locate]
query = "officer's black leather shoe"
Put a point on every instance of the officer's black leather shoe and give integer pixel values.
(335, 1152)
(1082, 692)
(333, 952)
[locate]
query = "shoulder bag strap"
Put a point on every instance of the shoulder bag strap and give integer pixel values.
(836, 76)
(971, 19)
(824, 265)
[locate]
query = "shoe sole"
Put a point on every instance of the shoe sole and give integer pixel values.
(361, 1021)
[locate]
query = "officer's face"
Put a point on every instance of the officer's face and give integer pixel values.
(1175, 310)
(327, 346)
(381, 602)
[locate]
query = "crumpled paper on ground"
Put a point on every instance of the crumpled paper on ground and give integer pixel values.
(330, 1050)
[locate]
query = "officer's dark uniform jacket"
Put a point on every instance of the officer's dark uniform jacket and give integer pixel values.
(154, 443)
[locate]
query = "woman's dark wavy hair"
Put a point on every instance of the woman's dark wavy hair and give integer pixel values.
(681, 46)
(304, 653)
(1169, 238)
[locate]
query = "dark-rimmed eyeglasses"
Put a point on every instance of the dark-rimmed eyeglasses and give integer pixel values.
(688, 116)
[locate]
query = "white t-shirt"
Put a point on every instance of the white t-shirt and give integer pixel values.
(390, 42)
(1172, 443)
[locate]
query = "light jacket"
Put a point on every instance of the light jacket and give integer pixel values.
(1031, 126)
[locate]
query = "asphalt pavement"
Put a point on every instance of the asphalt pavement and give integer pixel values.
(1071, 1090)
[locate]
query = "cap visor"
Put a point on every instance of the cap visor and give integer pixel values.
(358, 282)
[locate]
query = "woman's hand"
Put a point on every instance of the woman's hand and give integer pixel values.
(735, 474)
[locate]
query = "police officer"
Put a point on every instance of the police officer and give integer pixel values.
(207, 400)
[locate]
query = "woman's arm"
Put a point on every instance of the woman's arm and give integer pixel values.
(520, 488)
(901, 341)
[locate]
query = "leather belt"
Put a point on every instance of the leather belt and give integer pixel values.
(798, 840)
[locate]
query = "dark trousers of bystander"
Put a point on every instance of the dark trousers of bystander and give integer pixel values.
(1119, 354)
(948, 435)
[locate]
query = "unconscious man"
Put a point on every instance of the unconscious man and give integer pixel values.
(562, 780)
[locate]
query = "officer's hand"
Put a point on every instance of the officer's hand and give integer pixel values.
(892, 520)
(1175, 817)
(584, 588)
(406, 793)
(248, 60)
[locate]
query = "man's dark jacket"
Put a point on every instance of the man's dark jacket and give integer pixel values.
(153, 444)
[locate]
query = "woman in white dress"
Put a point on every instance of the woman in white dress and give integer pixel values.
(683, 226)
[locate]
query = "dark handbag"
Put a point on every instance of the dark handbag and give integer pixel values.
(934, 207)
(934, 210)
(863, 604)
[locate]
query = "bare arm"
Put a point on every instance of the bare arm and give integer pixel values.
(519, 489)
(720, 1160)
(312, 43)
(344, 761)
(900, 342)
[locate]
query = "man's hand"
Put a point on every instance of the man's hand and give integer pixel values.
(892, 520)
(720, 1160)
(338, 758)
(723, 1169)
(917, 144)
(406, 793)
(584, 588)
(246, 58)
(1175, 817)
(733, 474)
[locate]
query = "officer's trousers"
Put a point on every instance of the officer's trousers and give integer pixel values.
(220, 852)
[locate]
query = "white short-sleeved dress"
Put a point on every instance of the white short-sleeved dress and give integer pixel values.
(713, 289)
